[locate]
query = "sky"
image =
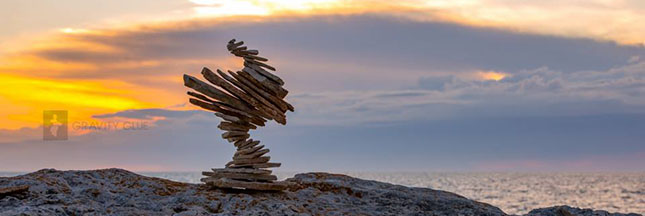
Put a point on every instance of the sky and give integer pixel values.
(467, 85)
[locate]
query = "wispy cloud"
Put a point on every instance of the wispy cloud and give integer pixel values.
(148, 114)
(537, 92)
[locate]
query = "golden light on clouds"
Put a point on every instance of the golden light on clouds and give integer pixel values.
(596, 19)
(228, 8)
(70, 71)
(74, 31)
(29, 96)
(26, 63)
(491, 75)
(266, 7)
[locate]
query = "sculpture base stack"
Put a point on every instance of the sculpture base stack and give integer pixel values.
(248, 169)
(244, 100)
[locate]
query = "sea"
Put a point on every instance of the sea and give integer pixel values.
(514, 193)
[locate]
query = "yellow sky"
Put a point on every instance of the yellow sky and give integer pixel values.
(31, 84)
(25, 98)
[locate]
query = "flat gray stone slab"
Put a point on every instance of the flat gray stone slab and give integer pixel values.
(242, 170)
(241, 176)
(235, 184)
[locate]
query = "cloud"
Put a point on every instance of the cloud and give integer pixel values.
(376, 40)
(148, 114)
(354, 62)
(192, 142)
(19, 135)
(370, 52)
(438, 82)
(536, 92)
(596, 19)
(325, 48)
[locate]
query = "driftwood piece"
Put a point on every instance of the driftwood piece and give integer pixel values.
(283, 105)
(243, 170)
(245, 176)
(263, 104)
(245, 151)
(241, 95)
(255, 66)
(215, 93)
(249, 144)
(253, 155)
(263, 83)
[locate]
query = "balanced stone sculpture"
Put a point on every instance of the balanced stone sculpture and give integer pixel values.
(244, 100)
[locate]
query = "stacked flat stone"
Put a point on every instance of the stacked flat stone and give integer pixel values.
(244, 100)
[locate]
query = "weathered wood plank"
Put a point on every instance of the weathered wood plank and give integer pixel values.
(242, 170)
(218, 81)
(278, 114)
(247, 150)
(253, 155)
(215, 93)
(283, 105)
(263, 82)
(263, 72)
(245, 176)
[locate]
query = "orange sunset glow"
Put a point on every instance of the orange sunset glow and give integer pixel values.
(492, 75)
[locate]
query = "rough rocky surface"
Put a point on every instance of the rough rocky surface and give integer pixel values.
(120, 192)
(570, 211)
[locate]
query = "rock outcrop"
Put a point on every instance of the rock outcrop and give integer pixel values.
(571, 211)
(120, 192)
